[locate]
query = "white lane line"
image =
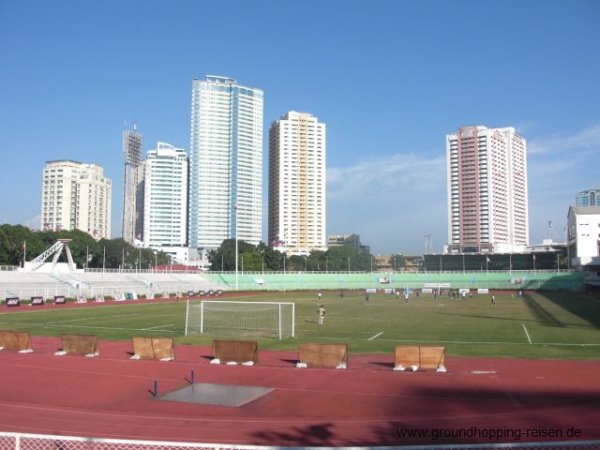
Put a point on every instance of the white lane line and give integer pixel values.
(376, 336)
(526, 332)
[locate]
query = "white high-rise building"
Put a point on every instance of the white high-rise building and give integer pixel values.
(297, 193)
(131, 225)
(76, 196)
(487, 190)
(225, 163)
(165, 197)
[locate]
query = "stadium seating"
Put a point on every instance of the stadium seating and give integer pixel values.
(154, 284)
(549, 280)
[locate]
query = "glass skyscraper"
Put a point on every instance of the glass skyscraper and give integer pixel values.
(225, 191)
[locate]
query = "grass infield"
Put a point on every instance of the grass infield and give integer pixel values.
(552, 325)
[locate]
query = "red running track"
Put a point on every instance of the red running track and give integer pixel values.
(367, 404)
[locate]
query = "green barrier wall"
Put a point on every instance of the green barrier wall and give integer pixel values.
(555, 281)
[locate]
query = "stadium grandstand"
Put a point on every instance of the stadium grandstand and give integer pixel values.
(152, 284)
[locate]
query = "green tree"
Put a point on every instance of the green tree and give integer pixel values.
(251, 262)
(223, 257)
(17, 241)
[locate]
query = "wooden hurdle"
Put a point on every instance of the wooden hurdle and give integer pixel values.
(161, 349)
(19, 341)
(329, 356)
(419, 358)
(406, 357)
(235, 352)
(78, 344)
(433, 358)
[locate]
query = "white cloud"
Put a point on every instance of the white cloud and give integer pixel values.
(391, 202)
(586, 139)
(32, 222)
(384, 176)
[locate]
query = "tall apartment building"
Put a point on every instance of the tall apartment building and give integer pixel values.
(131, 224)
(225, 163)
(76, 196)
(165, 198)
(589, 197)
(487, 190)
(297, 201)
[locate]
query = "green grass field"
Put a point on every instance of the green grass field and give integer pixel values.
(539, 325)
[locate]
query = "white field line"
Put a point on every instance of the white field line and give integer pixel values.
(376, 336)
(480, 342)
(89, 318)
(159, 326)
(527, 333)
(106, 328)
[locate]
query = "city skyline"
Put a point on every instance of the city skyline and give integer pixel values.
(389, 82)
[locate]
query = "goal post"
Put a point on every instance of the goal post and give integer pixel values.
(241, 319)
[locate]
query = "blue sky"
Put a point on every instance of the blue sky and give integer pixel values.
(389, 78)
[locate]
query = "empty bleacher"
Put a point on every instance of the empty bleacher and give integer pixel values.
(106, 284)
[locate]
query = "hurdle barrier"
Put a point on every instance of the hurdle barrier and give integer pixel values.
(235, 352)
(329, 356)
(19, 341)
(78, 344)
(161, 349)
(419, 358)
(407, 356)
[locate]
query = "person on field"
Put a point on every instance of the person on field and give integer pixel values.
(321, 311)
(319, 295)
(493, 300)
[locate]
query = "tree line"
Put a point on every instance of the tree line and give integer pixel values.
(19, 243)
(257, 258)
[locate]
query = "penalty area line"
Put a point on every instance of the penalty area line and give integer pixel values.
(526, 332)
(376, 336)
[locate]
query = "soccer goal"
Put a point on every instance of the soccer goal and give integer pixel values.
(241, 319)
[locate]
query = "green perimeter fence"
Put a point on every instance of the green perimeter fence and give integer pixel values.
(515, 280)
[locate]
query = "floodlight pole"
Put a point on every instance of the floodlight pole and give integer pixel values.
(236, 249)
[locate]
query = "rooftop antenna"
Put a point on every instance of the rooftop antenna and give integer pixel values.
(550, 227)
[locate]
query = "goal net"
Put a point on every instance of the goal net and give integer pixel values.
(241, 319)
